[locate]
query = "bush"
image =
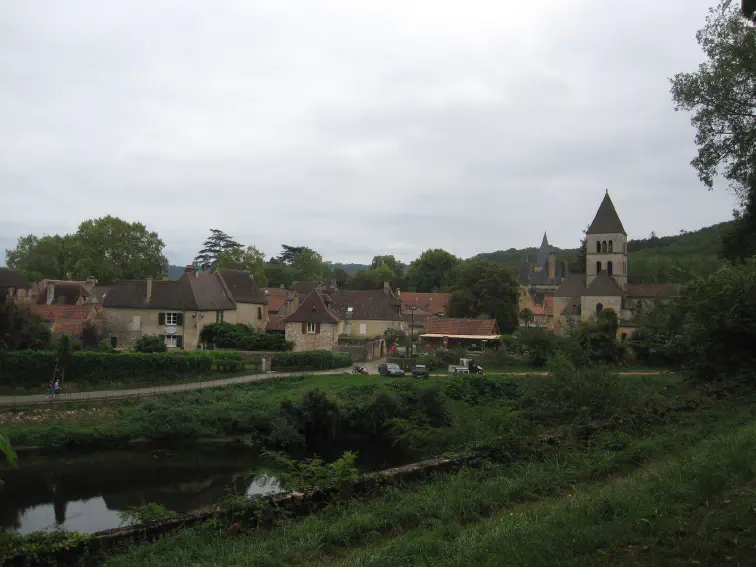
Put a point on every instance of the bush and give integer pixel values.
(29, 368)
(711, 327)
(570, 394)
(241, 337)
(311, 360)
(537, 344)
(227, 360)
(150, 343)
(598, 340)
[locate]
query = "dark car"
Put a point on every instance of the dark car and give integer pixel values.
(420, 370)
(390, 369)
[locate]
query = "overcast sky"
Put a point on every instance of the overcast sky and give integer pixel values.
(353, 127)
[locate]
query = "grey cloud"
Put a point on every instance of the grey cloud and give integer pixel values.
(355, 128)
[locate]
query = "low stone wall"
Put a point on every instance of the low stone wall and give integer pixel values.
(259, 511)
(360, 353)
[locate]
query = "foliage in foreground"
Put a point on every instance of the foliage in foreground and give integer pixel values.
(467, 517)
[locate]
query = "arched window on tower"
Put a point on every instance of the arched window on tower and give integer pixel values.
(598, 267)
(598, 247)
(611, 246)
(599, 307)
(603, 246)
(609, 267)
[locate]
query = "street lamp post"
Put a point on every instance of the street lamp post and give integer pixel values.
(412, 309)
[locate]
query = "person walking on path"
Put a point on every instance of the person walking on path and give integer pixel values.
(56, 388)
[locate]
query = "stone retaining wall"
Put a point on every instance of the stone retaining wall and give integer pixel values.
(260, 510)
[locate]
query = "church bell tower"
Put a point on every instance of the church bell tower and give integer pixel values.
(606, 242)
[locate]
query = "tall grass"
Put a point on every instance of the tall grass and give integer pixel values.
(464, 517)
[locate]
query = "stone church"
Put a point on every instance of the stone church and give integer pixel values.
(581, 297)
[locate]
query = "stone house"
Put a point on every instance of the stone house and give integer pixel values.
(581, 297)
(177, 310)
(358, 317)
(13, 285)
(315, 325)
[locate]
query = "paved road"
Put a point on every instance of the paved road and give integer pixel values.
(162, 390)
(6, 401)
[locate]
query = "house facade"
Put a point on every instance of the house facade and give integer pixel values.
(417, 307)
(13, 285)
(178, 310)
(315, 325)
(357, 317)
(582, 297)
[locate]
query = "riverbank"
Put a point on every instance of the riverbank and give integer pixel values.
(617, 492)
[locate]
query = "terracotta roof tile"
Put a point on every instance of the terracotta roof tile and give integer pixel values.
(275, 323)
(68, 319)
(431, 302)
(447, 326)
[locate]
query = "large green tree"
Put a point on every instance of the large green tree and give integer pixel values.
(250, 259)
(113, 249)
(721, 95)
(216, 244)
(488, 289)
(433, 271)
(49, 257)
(308, 265)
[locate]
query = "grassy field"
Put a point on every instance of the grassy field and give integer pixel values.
(678, 493)
(422, 416)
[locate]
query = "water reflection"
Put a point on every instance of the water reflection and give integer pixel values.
(86, 492)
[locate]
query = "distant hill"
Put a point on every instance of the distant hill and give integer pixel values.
(350, 269)
(174, 272)
(514, 258)
(652, 260)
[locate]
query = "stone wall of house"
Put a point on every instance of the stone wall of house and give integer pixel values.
(371, 328)
(252, 314)
(326, 339)
(588, 305)
(129, 324)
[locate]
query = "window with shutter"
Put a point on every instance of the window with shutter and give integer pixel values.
(180, 341)
(312, 328)
(180, 319)
(304, 327)
(161, 318)
(317, 328)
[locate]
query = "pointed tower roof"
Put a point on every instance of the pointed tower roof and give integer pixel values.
(543, 251)
(606, 220)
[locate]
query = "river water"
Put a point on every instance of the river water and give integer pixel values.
(85, 491)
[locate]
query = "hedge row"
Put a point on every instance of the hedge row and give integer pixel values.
(241, 337)
(30, 369)
(311, 360)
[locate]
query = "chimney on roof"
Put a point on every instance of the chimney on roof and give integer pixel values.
(386, 288)
(149, 288)
(50, 293)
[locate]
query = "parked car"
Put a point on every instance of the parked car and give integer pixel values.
(390, 369)
(420, 370)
